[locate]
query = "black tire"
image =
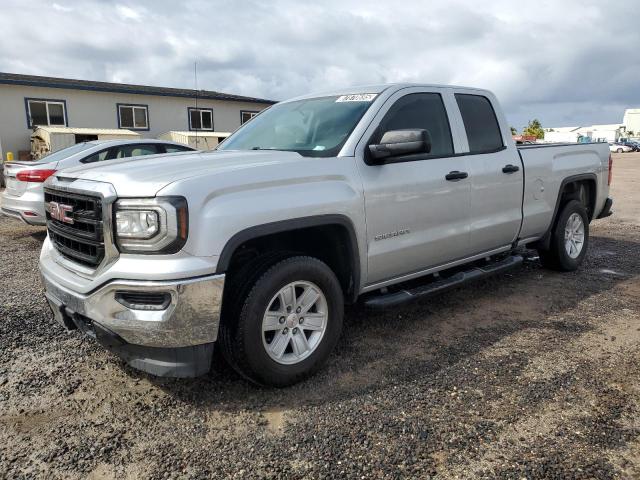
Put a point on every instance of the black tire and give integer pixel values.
(619, 150)
(241, 327)
(556, 257)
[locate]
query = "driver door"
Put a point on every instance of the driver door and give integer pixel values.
(417, 212)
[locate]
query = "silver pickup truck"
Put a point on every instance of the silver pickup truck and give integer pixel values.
(382, 193)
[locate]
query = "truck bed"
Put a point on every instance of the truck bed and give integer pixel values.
(547, 166)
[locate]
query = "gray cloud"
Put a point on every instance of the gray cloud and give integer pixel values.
(570, 62)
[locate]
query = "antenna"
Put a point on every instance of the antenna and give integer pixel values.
(195, 78)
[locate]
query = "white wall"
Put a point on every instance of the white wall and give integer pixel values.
(98, 110)
(632, 121)
(560, 137)
(608, 135)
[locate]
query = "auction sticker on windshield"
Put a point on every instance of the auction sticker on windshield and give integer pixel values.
(359, 97)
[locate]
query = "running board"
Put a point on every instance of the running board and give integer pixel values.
(460, 278)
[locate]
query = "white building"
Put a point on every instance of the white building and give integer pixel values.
(606, 133)
(632, 121)
(561, 134)
(597, 133)
(28, 101)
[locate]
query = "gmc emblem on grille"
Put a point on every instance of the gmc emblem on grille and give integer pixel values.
(60, 212)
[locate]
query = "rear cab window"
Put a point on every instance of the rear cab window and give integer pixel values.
(480, 123)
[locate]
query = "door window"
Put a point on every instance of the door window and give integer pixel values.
(176, 148)
(136, 150)
(480, 122)
(420, 111)
(97, 157)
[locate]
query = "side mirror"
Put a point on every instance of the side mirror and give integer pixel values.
(395, 143)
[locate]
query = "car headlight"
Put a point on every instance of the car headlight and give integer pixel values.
(151, 225)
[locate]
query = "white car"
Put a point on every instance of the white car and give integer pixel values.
(24, 196)
(619, 148)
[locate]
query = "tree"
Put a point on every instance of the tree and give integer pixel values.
(534, 129)
(514, 131)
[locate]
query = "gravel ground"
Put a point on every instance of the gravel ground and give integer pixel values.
(531, 374)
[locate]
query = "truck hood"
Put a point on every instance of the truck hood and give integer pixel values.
(144, 177)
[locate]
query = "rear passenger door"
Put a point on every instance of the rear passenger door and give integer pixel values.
(416, 218)
(495, 172)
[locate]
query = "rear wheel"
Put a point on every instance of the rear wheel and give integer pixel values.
(287, 325)
(569, 239)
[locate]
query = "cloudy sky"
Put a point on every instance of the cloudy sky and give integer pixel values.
(567, 62)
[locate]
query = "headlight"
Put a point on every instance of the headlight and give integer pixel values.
(140, 224)
(151, 225)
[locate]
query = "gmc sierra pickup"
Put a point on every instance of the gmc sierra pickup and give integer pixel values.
(383, 193)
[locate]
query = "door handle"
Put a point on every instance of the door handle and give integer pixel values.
(510, 168)
(456, 175)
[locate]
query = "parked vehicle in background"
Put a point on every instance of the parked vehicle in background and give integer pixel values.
(386, 194)
(23, 197)
(620, 148)
(635, 146)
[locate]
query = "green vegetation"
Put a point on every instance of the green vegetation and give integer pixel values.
(534, 129)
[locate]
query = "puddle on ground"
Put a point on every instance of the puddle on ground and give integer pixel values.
(608, 271)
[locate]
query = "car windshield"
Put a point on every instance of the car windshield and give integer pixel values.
(65, 152)
(316, 127)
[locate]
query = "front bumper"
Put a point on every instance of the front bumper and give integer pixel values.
(29, 207)
(175, 341)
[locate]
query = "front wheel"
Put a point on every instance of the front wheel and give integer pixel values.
(619, 150)
(569, 239)
(288, 324)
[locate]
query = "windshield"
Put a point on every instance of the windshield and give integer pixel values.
(316, 127)
(65, 152)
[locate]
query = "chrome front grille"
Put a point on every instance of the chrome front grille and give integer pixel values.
(80, 238)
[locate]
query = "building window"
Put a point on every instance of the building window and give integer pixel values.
(41, 112)
(246, 115)
(200, 119)
(135, 117)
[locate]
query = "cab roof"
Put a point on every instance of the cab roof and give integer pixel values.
(375, 88)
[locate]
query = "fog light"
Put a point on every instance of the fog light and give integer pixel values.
(144, 300)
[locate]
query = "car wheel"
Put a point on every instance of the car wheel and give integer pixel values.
(569, 239)
(619, 150)
(288, 324)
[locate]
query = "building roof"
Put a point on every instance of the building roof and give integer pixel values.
(88, 131)
(562, 129)
(610, 126)
(54, 82)
(198, 133)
